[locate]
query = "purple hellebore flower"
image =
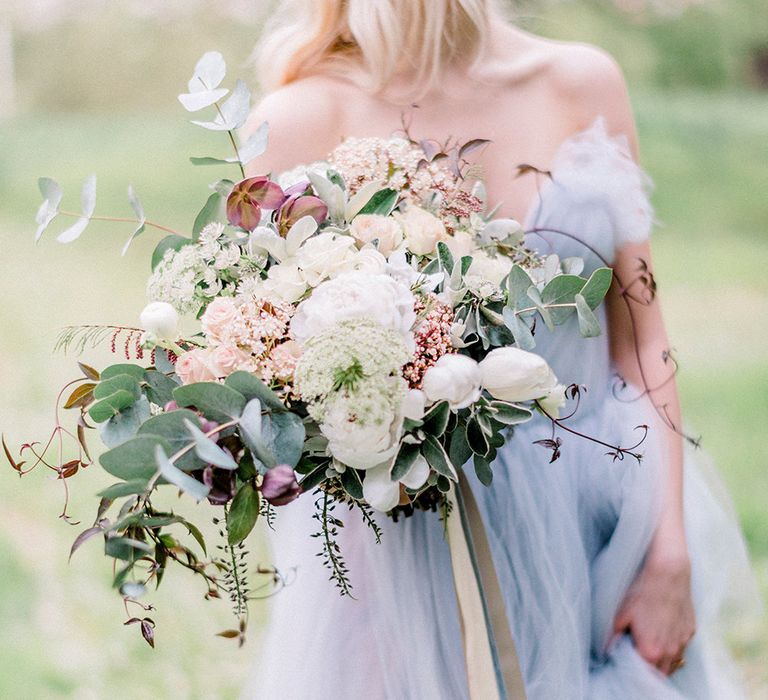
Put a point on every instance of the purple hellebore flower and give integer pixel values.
(249, 197)
(279, 486)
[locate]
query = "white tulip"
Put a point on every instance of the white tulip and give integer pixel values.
(554, 401)
(511, 374)
(414, 404)
(453, 378)
(160, 320)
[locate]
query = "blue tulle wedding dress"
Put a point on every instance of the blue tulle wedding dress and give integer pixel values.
(567, 538)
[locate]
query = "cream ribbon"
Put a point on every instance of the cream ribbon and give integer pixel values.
(493, 668)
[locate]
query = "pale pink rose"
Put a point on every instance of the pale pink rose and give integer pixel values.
(220, 316)
(366, 228)
(225, 359)
(283, 359)
(193, 367)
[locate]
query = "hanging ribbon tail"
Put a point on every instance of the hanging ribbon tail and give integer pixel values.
(493, 668)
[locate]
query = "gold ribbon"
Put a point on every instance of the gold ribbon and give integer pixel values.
(493, 668)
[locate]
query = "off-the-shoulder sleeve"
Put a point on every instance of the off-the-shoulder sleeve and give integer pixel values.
(598, 196)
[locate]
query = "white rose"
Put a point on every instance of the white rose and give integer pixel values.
(357, 295)
(357, 445)
(324, 256)
(366, 228)
(160, 320)
(554, 401)
(285, 282)
(368, 260)
(461, 243)
(511, 374)
(453, 378)
(422, 230)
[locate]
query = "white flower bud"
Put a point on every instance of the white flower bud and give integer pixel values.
(160, 320)
(455, 379)
(512, 374)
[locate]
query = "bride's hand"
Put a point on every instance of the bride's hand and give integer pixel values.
(658, 611)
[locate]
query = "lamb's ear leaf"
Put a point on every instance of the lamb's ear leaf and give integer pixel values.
(52, 194)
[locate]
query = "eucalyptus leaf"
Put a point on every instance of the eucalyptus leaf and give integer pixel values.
(111, 405)
(52, 195)
(134, 460)
(171, 426)
(171, 242)
(252, 387)
(135, 371)
(535, 297)
(173, 475)
(562, 289)
(139, 211)
(518, 284)
(255, 145)
(117, 382)
(217, 402)
(158, 387)
(195, 101)
(213, 210)
(597, 286)
(233, 113)
(210, 70)
(125, 424)
(519, 329)
(589, 326)
(88, 203)
(124, 488)
(208, 450)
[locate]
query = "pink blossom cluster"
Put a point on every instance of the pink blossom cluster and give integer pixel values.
(250, 336)
(433, 338)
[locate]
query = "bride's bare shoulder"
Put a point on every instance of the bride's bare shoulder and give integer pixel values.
(304, 120)
(582, 80)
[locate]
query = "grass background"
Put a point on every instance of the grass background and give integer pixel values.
(97, 94)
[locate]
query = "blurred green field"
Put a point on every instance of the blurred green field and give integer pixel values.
(61, 634)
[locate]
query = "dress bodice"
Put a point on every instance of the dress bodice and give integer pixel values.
(595, 202)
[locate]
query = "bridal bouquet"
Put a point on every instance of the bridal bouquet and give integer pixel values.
(363, 332)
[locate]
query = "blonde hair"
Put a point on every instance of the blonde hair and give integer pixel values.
(372, 41)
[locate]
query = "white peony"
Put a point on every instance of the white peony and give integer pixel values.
(324, 256)
(357, 295)
(366, 228)
(160, 320)
(453, 378)
(422, 230)
(511, 374)
(358, 444)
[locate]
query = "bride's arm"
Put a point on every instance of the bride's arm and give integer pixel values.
(658, 609)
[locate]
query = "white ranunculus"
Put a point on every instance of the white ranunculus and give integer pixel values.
(285, 282)
(453, 378)
(368, 260)
(357, 445)
(160, 320)
(357, 295)
(493, 268)
(414, 404)
(461, 243)
(366, 228)
(422, 230)
(511, 374)
(324, 256)
(554, 400)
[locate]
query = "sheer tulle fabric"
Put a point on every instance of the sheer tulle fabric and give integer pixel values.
(567, 538)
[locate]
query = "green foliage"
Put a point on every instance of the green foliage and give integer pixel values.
(243, 513)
